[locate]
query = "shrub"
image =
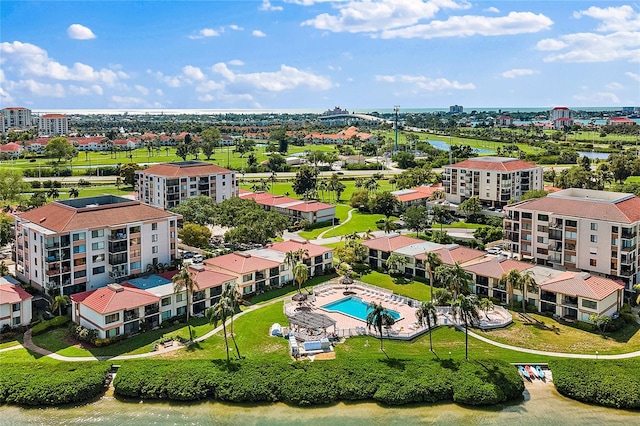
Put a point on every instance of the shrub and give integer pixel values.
(486, 382)
(52, 323)
(51, 384)
(612, 383)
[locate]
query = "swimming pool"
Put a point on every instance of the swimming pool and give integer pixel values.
(355, 307)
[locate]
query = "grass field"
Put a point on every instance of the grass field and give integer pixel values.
(413, 289)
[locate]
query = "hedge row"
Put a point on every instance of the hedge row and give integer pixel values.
(612, 383)
(52, 323)
(51, 384)
(300, 383)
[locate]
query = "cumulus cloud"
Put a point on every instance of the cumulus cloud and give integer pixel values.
(80, 32)
(366, 16)
(236, 27)
(286, 78)
(614, 85)
(141, 89)
(425, 83)
(633, 75)
(267, 6)
(204, 33)
(94, 89)
(550, 44)
(470, 25)
(492, 9)
(622, 18)
(258, 33)
(35, 88)
(236, 62)
(29, 59)
(192, 73)
(518, 72)
(591, 47)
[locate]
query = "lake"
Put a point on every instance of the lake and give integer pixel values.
(542, 405)
(441, 145)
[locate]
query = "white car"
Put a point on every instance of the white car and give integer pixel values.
(493, 250)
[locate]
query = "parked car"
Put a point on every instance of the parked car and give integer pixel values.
(493, 250)
(197, 258)
(188, 254)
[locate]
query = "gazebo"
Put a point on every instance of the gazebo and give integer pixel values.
(312, 323)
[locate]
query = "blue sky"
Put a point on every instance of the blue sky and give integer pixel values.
(315, 54)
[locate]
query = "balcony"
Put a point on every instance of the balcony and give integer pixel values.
(151, 309)
(627, 234)
(198, 296)
(118, 235)
(116, 274)
(627, 271)
(117, 247)
(570, 301)
(548, 297)
(118, 259)
(628, 248)
(555, 247)
(131, 315)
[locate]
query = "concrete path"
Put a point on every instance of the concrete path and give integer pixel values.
(333, 228)
(11, 348)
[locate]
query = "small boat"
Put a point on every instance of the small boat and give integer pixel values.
(524, 372)
(531, 371)
(540, 372)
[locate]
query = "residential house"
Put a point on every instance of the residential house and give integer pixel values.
(417, 196)
(11, 150)
(15, 304)
(254, 274)
(318, 258)
(311, 210)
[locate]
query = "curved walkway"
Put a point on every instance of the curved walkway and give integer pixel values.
(28, 344)
(349, 215)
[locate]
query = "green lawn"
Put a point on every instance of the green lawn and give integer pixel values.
(342, 211)
(633, 179)
(9, 344)
(413, 289)
(550, 335)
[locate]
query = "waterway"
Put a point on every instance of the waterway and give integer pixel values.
(542, 405)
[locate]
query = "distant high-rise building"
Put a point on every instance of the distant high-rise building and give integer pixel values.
(53, 125)
(456, 109)
(16, 118)
(561, 118)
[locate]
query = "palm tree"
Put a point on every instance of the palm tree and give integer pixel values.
(219, 312)
(441, 296)
(395, 262)
(431, 262)
(466, 309)
(486, 305)
(184, 280)
(455, 278)
(59, 302)
(73, 193)
(427, 314)
(53, 193)
(526, 283)
(440, 215)
(387, 225)
(234, 298)
(4, 269)
(510, 280)
(300, 274)
(379, 317)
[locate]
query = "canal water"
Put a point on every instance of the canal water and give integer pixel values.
(542, 405)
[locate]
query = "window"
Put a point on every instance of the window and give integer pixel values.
(614, 242)
(327, 255)
(570, 234)
(572, 223)
(543, 217)
(593, 250)
(98, 270)
(80, 262)
(182, 310)
(79, 249)
(97, 246)
(154, 249)
(16, 321)
(589, 304)
(166, 315)
(593, 238)
(527, 215)
(593, 262)
(540, 239)
(79, 236)
(614, 229)
(154, 238)
(166, 301)
(247, 277)
(98, 258)
(112, 318)
(113, 332)
(614, 254)
(135, 265)
(488, 180)
(180, 297)
(134, 229)
(154, 226)
(594, 226)
(15, 307)
(570, 258)
(97, 233)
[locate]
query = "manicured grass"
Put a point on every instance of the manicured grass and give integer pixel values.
(550, 335)
(413, 289)
(9, 344)
(459, 225)
(633, 179)
(342, 211)
(360, 222)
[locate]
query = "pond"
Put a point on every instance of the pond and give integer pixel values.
(441, 145)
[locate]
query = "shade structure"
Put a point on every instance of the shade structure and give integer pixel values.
(311, 320)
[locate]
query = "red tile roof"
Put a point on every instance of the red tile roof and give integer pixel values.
(10, 147)
(459, 254)
(114, 298)
(177, 170)
(267, 199)
(291, 245)
(207, 277)
(389, 244)
(563, 108)
(497, 267)
(310, 206)
(10, 293)
(241, 263)
(581, 284)
(54, 116)
(502, 164)
(627, 211)
(61, 218)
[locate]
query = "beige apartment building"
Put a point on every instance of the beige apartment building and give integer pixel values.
(579, 229)
(494, 180)
(53, 125)
(167, 185)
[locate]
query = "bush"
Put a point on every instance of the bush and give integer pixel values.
(52, 323)
(302, 383)
(51, 384)
(612, 383)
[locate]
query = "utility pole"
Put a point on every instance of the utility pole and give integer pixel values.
(396, 108)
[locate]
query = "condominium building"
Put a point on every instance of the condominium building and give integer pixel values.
(561, 118)
(53, 125)
(297, 210)
(167, 185)
(15, 304)
(494, 180)
(16, 118)
(579, 229)
(81, 244)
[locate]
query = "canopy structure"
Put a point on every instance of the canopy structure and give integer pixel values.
(311, 320)
(299, 297)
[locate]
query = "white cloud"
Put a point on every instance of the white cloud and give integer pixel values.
(469, 25)
(236, 62)
(591, 47)
(286, 78)
(312, 2)
(622, 18)
(425, 83)
(205, 32)
(159, 92)
(492, 9)
(614, 85)
(143, 90)
(236, 27)
(258, 33)
(518, 72)
(266, 5)
(80, 32)
(171, 81)
(599, 98)
(550, 44)
(633, 76)
(129, 101)
(29, 59)
(368, 16)
(86, 91)
(192, 73)
(35, 88)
